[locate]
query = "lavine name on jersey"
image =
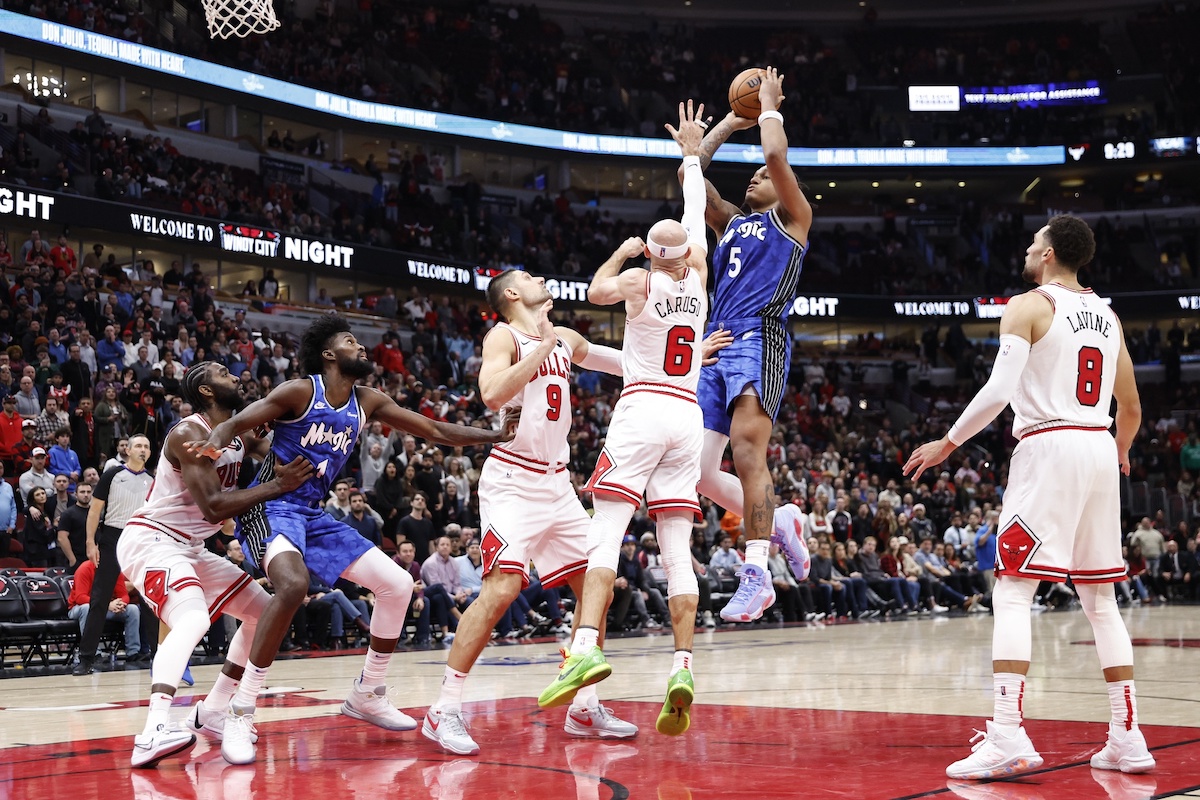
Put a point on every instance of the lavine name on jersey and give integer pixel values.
(320, 433)
(1089, 321)
(746, 230)
(687, 304)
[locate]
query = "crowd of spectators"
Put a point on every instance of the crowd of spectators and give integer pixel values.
(518, 63)
(91, 359)
(549, 234)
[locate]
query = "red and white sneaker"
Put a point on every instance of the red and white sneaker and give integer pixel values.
(448, 730)
(1127, 754)
(598, 722)
(995, 755)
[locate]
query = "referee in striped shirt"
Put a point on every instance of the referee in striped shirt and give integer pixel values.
(121, 492)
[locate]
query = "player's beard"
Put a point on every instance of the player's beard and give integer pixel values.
(355, 367)
(1029, 274)
(229, 398)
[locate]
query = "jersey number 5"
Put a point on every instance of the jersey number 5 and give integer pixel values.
(1087, 386)
(735, 263)
(678, 359)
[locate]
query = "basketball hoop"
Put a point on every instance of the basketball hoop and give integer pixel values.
(239, 18)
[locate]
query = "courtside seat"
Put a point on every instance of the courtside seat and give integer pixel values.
(46, 603)
(17, 632)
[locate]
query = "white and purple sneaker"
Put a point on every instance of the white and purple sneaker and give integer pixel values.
(755, 595)
(789, 535)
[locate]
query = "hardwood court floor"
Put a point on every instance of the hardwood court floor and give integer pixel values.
(868, 710)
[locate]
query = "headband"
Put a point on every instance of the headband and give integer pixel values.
(666, 252)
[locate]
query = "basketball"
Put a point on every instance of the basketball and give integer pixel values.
(743, 93)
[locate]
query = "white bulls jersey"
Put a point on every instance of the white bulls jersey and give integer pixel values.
(1071, 371)
(662, 343)
(545, 406)
(170, 503)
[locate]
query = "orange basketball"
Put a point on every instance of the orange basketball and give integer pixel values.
(743, 93)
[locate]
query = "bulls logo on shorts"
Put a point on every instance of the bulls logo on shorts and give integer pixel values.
(1015, 547)
(492, 545)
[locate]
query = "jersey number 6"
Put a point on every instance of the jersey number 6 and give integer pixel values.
(678, 359)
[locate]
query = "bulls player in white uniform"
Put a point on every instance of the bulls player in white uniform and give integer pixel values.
(163, 554)
(656, 435)
(1062, 360)
(528, 508)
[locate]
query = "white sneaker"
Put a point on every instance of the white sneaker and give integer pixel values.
(448, 730)
(994, 755)
(211, 723)
(374, 707)
(1128, 754)
(598, 722)
(150, 749)
(236, 745)
(709, 620)
(939, 609)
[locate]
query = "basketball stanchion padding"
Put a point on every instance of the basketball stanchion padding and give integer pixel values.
(239, 18)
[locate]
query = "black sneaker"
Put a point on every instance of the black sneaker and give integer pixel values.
(86, 666)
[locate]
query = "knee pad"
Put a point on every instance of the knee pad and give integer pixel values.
(607, 529)
(1012, 636)
(392, 586)
(1112, 637)
(674, 540)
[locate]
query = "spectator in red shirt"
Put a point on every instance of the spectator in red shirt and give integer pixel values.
(63, 257)
(119, 608)
(388, 355)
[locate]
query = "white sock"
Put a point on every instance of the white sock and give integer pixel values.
(757, 551)
(453, 682)
(683, 660)
(222, 692)
(585, 639)
(1122, 699)
(1008, 693)
(252, 682)
(586, 698)
(160, 712)
(375, 670)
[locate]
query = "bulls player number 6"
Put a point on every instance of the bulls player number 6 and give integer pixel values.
(678, 357)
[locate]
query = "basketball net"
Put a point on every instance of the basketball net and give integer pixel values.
(239, 18)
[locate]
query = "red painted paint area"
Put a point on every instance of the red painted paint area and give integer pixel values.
(732, 753)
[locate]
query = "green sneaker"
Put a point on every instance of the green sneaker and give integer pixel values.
(675, 717)
(575, 673)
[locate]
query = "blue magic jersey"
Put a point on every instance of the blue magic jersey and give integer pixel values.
(324, 435)
(756, 272)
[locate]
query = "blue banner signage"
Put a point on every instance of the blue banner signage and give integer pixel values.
(204, 72)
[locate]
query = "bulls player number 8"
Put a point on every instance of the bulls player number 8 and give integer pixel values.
(678, 358)
(1091, 364)
(553, 403)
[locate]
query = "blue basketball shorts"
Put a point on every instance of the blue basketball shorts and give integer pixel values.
(758, 359)
(327, 545)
